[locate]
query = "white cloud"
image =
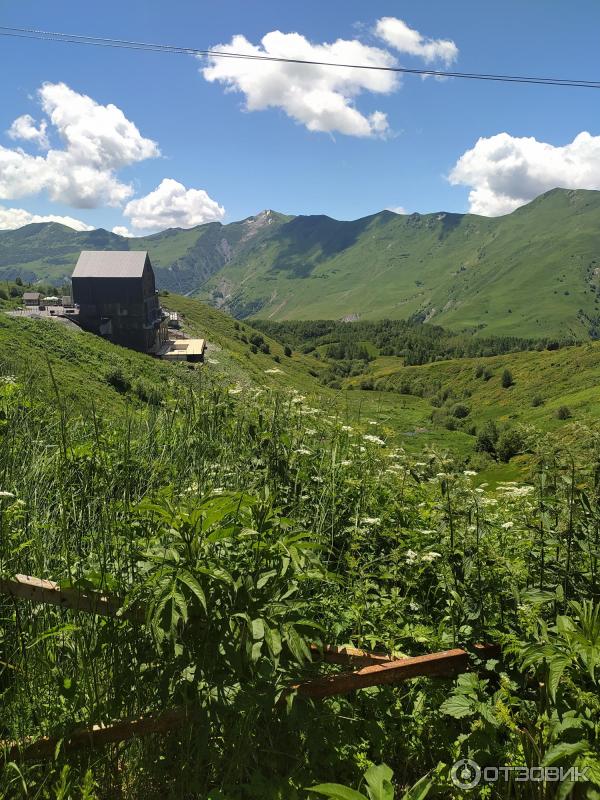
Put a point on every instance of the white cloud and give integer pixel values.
(506, 172)
(24, 128)
(396, 33)
(397, 209)
(98, 141)
(171, 205)
(121, 230)
(11, 218)
(321, 98)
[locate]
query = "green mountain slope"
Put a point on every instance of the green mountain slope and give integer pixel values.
(183, 259)
(534, 272)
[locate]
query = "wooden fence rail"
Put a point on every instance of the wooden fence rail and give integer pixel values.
(95, 735)
(39, 590)
(376, 670)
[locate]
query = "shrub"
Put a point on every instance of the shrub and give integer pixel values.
(277, 359)
(563, 412)
(253, 348)
(487, 439)
(236, 326)
(19, 281)
(507, 379)
(510, 443)
(265, 348)
(118, 380)
(479, 371)
(537, 400)
(487, 374)
(3, 294)
(287, 350)
(460, 411)
(367, 384)
(257, 339)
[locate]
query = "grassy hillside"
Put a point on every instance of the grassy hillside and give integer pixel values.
(532, 273)
(543, 382)
(50, 357)
(183, 259)
(411, 406)
(247, 527)
(456, 270)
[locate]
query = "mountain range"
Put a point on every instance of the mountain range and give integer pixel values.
(533, 272)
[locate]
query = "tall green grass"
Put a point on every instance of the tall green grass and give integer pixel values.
(249, 524)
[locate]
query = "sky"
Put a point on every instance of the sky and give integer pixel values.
(137, 142)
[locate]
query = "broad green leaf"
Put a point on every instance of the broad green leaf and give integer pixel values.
(186, 577)
(563, 751)
(556, 667)
(458, 706)
(379, 782)
(335, 791)
(420, 789)
(258, 629)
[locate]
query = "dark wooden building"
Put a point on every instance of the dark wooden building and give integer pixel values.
(116, 295)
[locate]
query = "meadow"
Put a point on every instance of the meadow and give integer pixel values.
(250, 519)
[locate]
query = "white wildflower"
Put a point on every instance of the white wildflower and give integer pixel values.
(469, 473)
(8, 495)
(507, 525)
(346, 463)
(413, 606)
(430, 556)
(310, 432)
(274, 371)
(411, 556)
(237, 390)
(370, 521)
(212, 361)
(303, 451)
(346, 428)
(375, 439)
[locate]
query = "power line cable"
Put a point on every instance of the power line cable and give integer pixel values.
(97, 41)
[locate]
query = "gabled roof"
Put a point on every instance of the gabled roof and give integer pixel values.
(110, 264)
(31, 296)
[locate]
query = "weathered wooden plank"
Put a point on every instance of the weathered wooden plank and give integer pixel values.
(39, 590)
(349, 655)
(96, 735)
(445, 663)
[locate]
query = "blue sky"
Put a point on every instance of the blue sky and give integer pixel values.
(248, 160)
